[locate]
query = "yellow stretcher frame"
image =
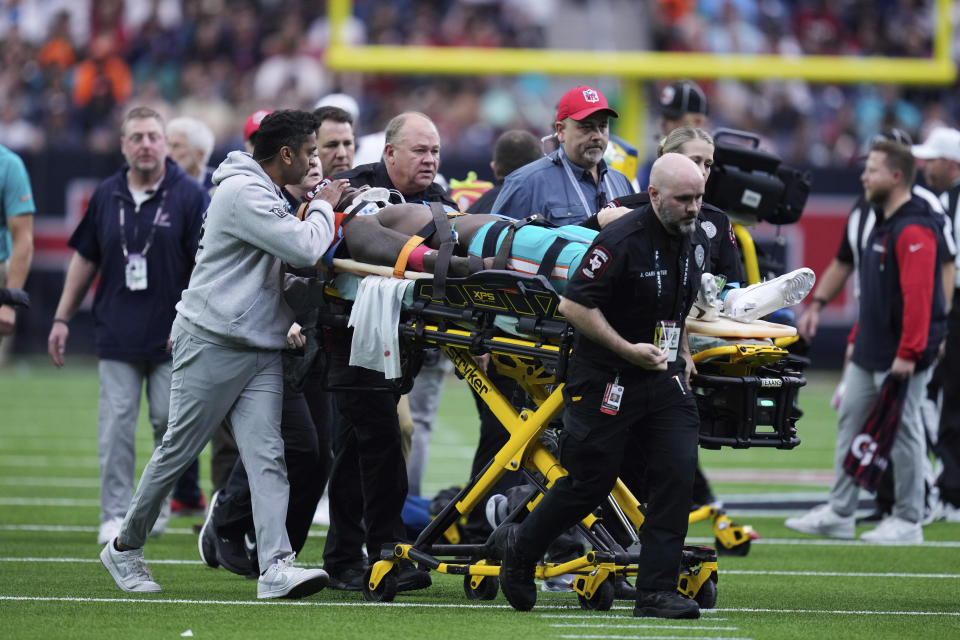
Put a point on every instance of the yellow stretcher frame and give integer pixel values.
(523, 448)
(523, 359)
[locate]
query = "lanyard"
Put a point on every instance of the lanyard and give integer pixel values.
(576, 185)
(681, 281)
(153, 227)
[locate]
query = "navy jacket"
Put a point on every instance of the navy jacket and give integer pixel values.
(902, 307)
(135, 325)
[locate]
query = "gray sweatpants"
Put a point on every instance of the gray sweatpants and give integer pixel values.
(909, 447)
(211, 383)
(121, 385)
(424, 399)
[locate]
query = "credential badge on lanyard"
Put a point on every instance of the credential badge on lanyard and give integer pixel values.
(135, 268)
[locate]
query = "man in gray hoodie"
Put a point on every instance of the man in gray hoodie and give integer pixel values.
(230, 327)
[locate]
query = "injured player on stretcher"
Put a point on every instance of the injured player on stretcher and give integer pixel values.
(415, 237)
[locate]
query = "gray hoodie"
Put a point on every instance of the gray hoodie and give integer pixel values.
(238, 292)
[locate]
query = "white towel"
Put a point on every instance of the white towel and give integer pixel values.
(375, 316)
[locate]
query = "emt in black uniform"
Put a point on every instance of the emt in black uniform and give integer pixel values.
(627, 398)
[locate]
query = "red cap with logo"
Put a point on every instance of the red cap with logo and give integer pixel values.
(580, 102)
(253, 122)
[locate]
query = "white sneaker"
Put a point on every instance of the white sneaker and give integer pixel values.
(824, 521)
(109, 530)
(894, 529)
(322, 515)
(707, 306)
(163, 519)
(757, 300)
(283, 580)
(128, 569)
(933, 507)
(950, 513)
(496, 510)
(561, 583)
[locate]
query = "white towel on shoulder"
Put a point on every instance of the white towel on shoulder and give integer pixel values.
(374, 318)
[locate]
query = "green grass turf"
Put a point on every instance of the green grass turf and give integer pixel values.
(52, 586)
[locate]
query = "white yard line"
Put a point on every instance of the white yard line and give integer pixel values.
(61, 462)
(631, 637)
(838, 574)
(41, 481)
(605, 625)
(57, 528)
(817, 574)
(593, 616)
(829, 542)
(310, 603)
(48, 502)
(841, 612)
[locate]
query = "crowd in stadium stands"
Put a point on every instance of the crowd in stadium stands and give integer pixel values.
(69, 68)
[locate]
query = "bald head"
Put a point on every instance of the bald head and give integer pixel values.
(676, 192)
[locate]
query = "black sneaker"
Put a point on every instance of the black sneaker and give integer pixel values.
(349, 579)
(207, 544)
(410, 578)
(623, 590)
(236, 555)
(517, 573)
(665, 604)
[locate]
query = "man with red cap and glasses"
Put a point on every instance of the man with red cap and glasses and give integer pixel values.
(573, 182)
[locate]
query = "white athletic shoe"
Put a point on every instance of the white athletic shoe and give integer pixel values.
(283, 580)
(322, 515)
(128, 569)
(824, 521)
(894, 529)
(163, 519)
(757, 300)
(109, 530)
(950, 513)
(707, 306)
(496, 510)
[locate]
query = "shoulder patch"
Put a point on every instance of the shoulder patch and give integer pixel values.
(595, 263)
(280, 210)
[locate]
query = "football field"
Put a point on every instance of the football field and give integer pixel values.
(789, 585)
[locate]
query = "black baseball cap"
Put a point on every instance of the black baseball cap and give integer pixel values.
(682, 97)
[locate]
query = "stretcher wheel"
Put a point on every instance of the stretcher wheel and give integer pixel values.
(707, 596)
(741, 549)
(602, 600)
(487, 590)
(386, 591)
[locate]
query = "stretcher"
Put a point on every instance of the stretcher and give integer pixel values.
(513, 317)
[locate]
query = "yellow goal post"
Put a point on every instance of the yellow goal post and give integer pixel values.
(631, 67)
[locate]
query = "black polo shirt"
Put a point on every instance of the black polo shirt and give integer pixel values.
(636, 274)
(375, 175)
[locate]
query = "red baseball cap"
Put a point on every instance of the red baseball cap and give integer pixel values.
(253, 122)
(580, 102)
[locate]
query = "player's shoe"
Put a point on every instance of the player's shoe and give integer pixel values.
(757, 300)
